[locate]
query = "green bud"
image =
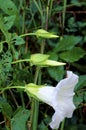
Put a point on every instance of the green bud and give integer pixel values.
(54, 63)
(42, 60)
(44, 34)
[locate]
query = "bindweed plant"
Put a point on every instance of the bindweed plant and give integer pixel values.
(59, 97)
(42, 45)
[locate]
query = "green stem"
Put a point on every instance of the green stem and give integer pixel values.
(22, 99)
(34, 114)
(2, 122)
(64, 12)
(14, 99)
(35, 106)
(3, 42)
(23, 15)
(42, 46)
(20, 87)
(46, 26)
(50, 2)
(37, 79)
(22, 6)
(39, 9)
(27, 34)
(7, 88)
(62, 125)
(18, 61)
(36, 74)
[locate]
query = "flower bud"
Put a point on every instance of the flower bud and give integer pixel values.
(44, 34)
(42, 60)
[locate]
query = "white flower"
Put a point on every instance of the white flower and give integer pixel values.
(59, 97)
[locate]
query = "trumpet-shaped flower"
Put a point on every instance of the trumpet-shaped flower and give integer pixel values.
(59, 97)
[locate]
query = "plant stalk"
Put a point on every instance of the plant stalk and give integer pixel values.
(64, 12)
(37, 79)
(35, 105)
(62, 125)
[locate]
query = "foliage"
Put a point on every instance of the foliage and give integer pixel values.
(19, 21)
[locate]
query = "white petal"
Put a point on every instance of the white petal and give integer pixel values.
(47, 95)
(63, 110)
(56, 119)
(67, 85)
(64, 106)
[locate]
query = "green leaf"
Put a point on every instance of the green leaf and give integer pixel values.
(5, 108)
(81, 83)
(4, 30)
(71, 23)
(56, 72)
(81, 24)
(78, 3)
(53, 56)
(78, 99)
(73, 55)
(80, 66)
(42, 126)
(9, 21)
(67, 43)
(5, 66)
(18, 40)
(76, 127)
(85, 96)
(18, 122)
(8, 7)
